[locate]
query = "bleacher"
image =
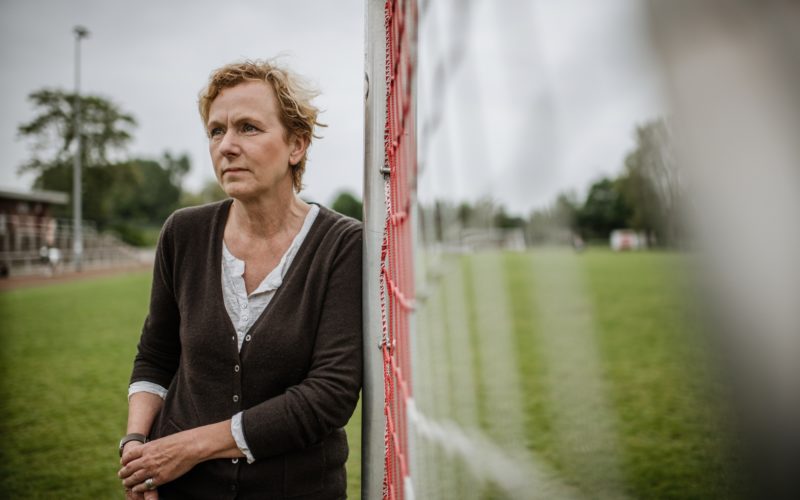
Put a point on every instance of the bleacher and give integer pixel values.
(34, 243)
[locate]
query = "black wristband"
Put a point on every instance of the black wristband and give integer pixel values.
(131, 437)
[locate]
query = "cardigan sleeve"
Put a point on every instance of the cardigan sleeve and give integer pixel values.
(325, 400)
(159, 345)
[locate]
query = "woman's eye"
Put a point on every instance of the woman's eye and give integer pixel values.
(248, 128)
(216, 131)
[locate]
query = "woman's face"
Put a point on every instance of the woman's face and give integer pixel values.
(247, 142)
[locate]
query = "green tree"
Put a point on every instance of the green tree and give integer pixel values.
(146, 191)
(105, 132)
(554, 224)
(347, 204)
(464, 214)
(652, 184)
(504, 220)
(605, 209)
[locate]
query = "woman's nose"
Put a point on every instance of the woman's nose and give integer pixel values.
(229, 146)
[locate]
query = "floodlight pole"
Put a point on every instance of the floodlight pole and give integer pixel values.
(77, 202)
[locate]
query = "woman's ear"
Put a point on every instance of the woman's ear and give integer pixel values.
(299, 146)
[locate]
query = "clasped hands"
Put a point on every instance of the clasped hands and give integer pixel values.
(162, 460)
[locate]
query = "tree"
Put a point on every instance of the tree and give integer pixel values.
(105, 129)
(652, 184)
(146, 191)
(554, 224)
(605, 209)
(503, 220)
(347, 204)
(140, 196)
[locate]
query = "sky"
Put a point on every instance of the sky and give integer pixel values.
(546, 98)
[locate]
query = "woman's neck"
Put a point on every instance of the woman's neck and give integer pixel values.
(266, 218)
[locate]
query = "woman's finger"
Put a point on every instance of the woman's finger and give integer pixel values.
(151, 495)
(138, 477)
(131, 467)
(147, 485)
(132, 451)
(131, 495)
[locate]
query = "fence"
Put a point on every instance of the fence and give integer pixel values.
(44, 245)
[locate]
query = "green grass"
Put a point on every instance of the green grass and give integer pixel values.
(616, 387)
(66, 353)
(67, 349)
(666, 404)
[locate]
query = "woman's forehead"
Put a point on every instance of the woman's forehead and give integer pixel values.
(250, 97)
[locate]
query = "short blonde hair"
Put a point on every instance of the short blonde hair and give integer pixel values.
(294, 95)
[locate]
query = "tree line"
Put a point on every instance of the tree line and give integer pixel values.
(645, 197)
(133, 196)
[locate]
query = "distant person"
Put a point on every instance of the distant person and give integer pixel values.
(249, 362)
(53, 256)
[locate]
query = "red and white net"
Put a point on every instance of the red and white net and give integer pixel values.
(397, 284)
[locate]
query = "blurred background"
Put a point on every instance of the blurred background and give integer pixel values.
(605, 199)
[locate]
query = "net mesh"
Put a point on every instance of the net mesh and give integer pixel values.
(397, 284)
(538, 368)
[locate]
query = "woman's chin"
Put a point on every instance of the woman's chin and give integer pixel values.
(241, 194)
(236, 190)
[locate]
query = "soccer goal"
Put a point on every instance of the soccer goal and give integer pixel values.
(510, 352)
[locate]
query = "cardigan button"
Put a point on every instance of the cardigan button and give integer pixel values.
(235, 398)
(247, 338)
(236, 368)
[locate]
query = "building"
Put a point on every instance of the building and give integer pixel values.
(27, 226)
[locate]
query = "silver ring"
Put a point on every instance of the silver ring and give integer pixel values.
(149, 483)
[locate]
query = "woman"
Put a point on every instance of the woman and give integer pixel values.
(249, 363)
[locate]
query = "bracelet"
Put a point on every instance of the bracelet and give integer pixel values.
(131, 437)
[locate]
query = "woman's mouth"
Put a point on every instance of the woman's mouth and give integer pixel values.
(233, 170)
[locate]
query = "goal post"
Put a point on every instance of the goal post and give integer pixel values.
(373, 421)
(389, 183)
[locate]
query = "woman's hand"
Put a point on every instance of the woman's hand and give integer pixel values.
(162, 460)
(130, 494)
(147, 495)
(170, 457)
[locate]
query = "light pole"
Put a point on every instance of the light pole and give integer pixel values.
(77, 202)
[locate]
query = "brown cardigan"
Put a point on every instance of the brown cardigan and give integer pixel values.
(297, 376)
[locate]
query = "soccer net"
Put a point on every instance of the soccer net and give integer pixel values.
(523, 339)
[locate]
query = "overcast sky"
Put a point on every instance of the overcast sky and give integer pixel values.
(546, 98)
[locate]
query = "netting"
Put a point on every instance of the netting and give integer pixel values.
(397, 285)
(523, 355)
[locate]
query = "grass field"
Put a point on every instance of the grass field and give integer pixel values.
(666, 403)
(67, 349)
(594, 366)
(65, 356)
